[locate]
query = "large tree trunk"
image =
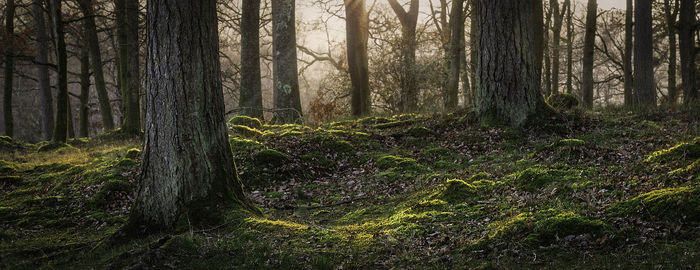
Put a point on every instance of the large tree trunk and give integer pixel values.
(86, 6)
(127, 14)
(644, 90)
(538, 26)
(42, 59)
(508, 85)
(556, 45)
(284, 68)
(188, 169)
(357, 29)
(408, 80)
(627, 57)
(61, 130)
(84, 110)
(588, 53)
(9, 69)
(671, 13)
(686, 40)
(250, 100)
(457, 31)
(569, 49)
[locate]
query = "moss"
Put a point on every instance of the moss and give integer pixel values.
(686, 150)
(9, 144)
(330, 143)
(389, 161)
(52, 167)
(393, 124)
(681, 203)
(78, 141)
(53, 146)
(457, 191)
(181, 244)
(133, 153)
(246, 145)
(479, 176)
(270, 157)
(373, 120)
(436, 153)
(127, 162)
(567, 143)
(534, 178)
(108, 190)
(245, 131)
(318, 158)
(48, 201)
(247, 121)
(291, 134)
(419, 132)
(269, 224)
(562, 101)
(10, 179)
(7, 167)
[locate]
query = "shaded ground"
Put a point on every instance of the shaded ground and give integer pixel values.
(409, 191)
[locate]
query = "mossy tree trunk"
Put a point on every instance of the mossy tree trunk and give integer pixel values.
(644, 88)
(250, 100)
(688, 51)
(9, 69)
(86, 6)
(627, 57)
(61, 130)
(284, 69)
(588, 53)
(127, 14)
(457, 32)
(357, 29)
(42, 58)
(508, 85)
(188, 166)
(407, 78)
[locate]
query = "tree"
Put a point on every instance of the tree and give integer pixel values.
(61, 129)
(556, 46)
(588, 53)
(127, 15)
(250, 100)
(627, 58)
(84, 110)
(569, 49)
(457, 25)
(671, 13)
(473, 51)
(9, 68)
(42, 67)
(686, 42)
(86, 6)
(285, 74)
(357, 31)
(188, 166)
(539, 34)
(508, 85)
(407, 79)
(547, 72)
(644, 90)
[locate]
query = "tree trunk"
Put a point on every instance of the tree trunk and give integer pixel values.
(464, 73)
(588, 53)
(284, 68)
(569, 49)
(84, 111)
(547, 57)
(457, 25)
(250, 100)
(61, 130)
(127, 14)
(556, 45)
(42, 59)
(407, 80)
(508, 85)
(686, 40)
(9, 69)
(539, 34)
(671, 13)
(627, 69)
(357, 29)
(644, 90)
(86, 6)
(188, 171)
(71, 127)
(473, 50)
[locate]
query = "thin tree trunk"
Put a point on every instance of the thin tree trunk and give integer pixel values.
(71, 127)
(671, 13)
(84, 111)
(588, 53)
(127, 13)
(464, 73)
(569, 49)
(188, 171)
(86, 6)
(61, 128)
(284, 69)
(644, 89)
(547, 56)
(9, 69)
(250, 100)
(357, 29)
(42, 59)
(627, 69)
(457, 31)
(556, 46)
(686, 40)
(408, 80)
(473, 50)
(539, 34)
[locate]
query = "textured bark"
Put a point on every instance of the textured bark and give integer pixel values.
(250, 100)
(588, 53)
(538, 25)
(407, 79)
(627, 57)
(464, 72)
(457, 31)
(84, 110)
(671, 13)
(547, 71)
(569, 49)
(556, 41)
(127, 14)
(284, 68)
(686, 40)
(644, 90)
(357, 29)
(61, 129)
(42, 70)
(508, 85)
(473, 50)
(86, 6)
(187, 167)
(9, 69)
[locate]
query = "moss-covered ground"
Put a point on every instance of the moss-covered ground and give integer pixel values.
(604, 190)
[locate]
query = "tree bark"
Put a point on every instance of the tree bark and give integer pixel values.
(250, 100)
(127, 14)
(588, 53)
(9, 69)
(457, 31)
(61, 129)
(42, 70)
(627, 68)
(508, 85)
(538, 25)
(686, 40)
(464, 73)
(357, 29)
(671, 13)
(569, 49)
(84, 111)
(407, 80)
(188, 171)
(86, 6)
(556, 45)
(644, 89)
(545, 51)
(284, 68)
(473, 50)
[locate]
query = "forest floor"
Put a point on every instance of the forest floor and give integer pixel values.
(595, 190)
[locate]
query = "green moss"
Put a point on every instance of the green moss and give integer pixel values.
(133, 153)
(457, 191)
(389, 161)
(373, 120)
(52, 167)
(53, 146)
(127, 162)
(107, 191)
(562, 101)
(681, 203)
(318, 158)
(291, 134)
(247, 121)
(181, 244)
(330, 143)
(270, 157)
(241, 144)
(7, 167)
(534, 178)
(245, 131)
(393, 124)
(9, 144)
(436, 153)
(10, 179)
(419, 132)
(567, 143)
(48, 201)
(686, 150)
